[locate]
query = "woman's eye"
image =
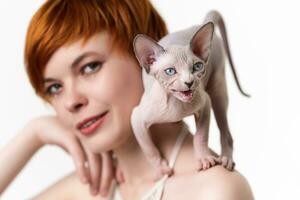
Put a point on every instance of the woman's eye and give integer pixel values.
(53, 89)
(198, 66)
(90, 67)
(170, 71)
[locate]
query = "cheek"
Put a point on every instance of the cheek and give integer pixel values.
(125, 93)
(118, 85)
(119, 89)
(176, 83)
(127, 90)
(165, 80)
(62, 114)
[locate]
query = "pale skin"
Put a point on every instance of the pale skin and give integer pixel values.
(47, 130)
(116, 86)
(165, 102)
(184, 75)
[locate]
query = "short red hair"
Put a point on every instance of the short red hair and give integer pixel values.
(59, 22)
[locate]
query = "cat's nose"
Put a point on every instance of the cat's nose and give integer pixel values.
(189, 84)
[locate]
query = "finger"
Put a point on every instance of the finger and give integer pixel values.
(118, 172)
(119, 175)
(107, 174)
(75, 149)
(94, 168)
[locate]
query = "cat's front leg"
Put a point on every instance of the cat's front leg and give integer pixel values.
(219, 99)
(205, 159)
(226, 155)
(140, 125)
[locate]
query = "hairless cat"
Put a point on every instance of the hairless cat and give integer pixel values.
(183, 74)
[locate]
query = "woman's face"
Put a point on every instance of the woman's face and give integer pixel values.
(88, 80)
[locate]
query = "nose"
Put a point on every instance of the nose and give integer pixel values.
(189, 84)
(75, 102)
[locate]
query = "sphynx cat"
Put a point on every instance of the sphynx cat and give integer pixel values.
(183, 74)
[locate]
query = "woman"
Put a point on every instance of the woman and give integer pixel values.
(79, 59)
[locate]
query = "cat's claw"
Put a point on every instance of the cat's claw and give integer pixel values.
(227, 162)
(206, 161)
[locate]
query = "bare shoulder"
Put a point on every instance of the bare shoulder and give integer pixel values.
(68, 188)
(215, 183)
(219, 183)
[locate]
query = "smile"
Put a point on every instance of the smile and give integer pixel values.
(90, 125)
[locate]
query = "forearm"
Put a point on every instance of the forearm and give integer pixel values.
(15, 155)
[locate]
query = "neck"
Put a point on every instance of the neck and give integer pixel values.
(132, 161)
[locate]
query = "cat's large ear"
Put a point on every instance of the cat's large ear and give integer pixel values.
(201, 41)
(146, 50)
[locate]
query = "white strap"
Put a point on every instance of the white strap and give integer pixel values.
(156, 192)
(179, 141)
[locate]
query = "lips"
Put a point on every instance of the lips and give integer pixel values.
(89, 125)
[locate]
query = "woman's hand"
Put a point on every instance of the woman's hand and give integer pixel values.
(101, 172)
(95, 169)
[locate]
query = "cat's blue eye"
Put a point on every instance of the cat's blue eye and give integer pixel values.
(198, 66)
(90, 67)
(53, 89)
(170, 71)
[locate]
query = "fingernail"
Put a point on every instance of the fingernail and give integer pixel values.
(84, 180)
(94, 191)
(122, 178)
(104, 192)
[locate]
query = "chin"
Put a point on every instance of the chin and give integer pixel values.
(100, 144)
(107, 140)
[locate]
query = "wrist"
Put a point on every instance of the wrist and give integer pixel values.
(31, 132)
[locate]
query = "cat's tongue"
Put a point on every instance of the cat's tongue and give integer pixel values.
(187, 94)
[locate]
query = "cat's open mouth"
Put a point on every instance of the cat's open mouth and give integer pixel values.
(186, 95)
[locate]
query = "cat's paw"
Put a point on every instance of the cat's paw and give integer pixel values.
(206, 161)
(163, 169)
(226, 162)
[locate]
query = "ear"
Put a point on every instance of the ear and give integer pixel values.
(146, 50)
(201, 41)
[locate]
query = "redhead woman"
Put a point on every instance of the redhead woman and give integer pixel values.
(79, 59)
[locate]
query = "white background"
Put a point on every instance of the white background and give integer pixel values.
(264, 40)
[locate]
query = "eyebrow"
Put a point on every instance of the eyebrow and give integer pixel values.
(81, 57)
(73, 65)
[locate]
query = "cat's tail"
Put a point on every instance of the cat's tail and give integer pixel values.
(215, 17)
